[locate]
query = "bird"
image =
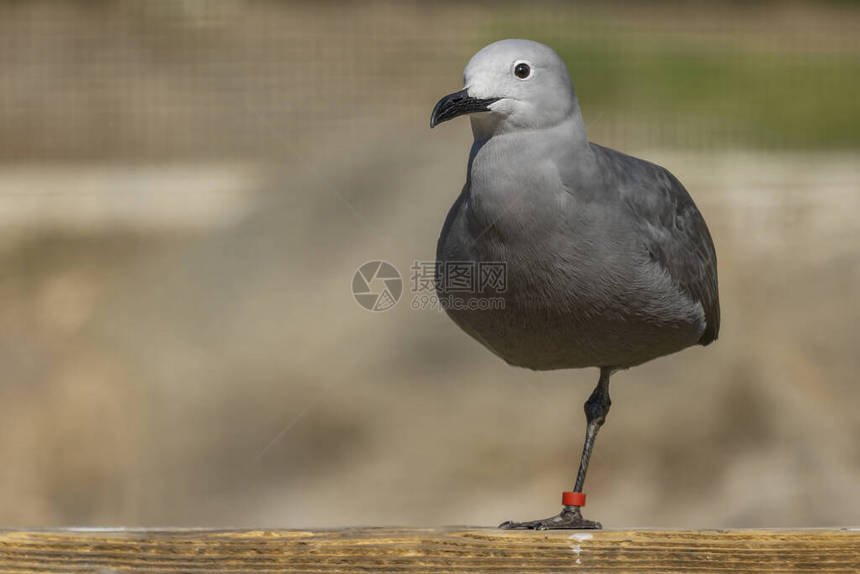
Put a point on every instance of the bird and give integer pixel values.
(607, 262)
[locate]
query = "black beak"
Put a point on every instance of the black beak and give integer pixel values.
(457, 104)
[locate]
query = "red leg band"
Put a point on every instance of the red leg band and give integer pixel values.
(573, 498)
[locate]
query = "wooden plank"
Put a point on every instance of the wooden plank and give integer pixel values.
(429, 550)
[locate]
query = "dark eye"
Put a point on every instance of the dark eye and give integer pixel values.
(522, 71)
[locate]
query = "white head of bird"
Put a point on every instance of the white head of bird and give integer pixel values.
(512, 85)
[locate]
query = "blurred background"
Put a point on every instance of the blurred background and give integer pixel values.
(187, 187)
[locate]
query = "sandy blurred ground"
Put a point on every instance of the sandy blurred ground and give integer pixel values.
(184, 198)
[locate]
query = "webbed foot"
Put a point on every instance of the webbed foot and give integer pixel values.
(568, 519)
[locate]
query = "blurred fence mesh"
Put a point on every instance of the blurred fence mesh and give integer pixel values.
(197, 79)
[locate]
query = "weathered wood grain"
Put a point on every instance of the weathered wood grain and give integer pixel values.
(429, 550)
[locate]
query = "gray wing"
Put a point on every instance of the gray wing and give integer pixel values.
(675, 233)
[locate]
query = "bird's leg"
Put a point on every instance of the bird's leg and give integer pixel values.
(596, 409)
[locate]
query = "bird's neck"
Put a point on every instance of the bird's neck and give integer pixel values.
(562, 141)
(507, 167)
(570, 129)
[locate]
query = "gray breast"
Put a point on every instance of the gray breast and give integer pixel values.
(582, 287)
